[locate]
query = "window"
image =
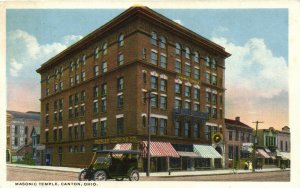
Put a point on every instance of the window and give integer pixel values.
(61, 86)
(70, 133)
(55, 87)
(96, 70)
(208, 111)
(177, 129)
(77, 63)
(120, 101)
(55, 105)
(60, 103)
(153, 125)
(71, 65)
(82, 95)
(214, 98)
(163, 85)
(187, 92)
(70, 149)
(144, 77)
(59, 135)
(207, 61)
(83, 76)
(214, 79)
(103, 128)
(178, 88)
(46, 138)
(196, 130)
(154, 82)
(236, 135)
(95, 125)
(76, 111)
(163, 102)
(221, 99)
(230, 135)
(120, 126)
(120, 59)
(242, 136)
(196, 57)
(47, 91)
(213, 63)
(54, 135)
(196, 93)
(60, 117)
(163, 42)
(286, 146)
(163, 127)
(187, 53)
(196, 107)
(103, 89)
(163, 61)
(95, 91)
(177, 49)
(96, 107)
(82, 149)
(187, 105)
(121, 40)
(144, 121)
(177, 104)
(47, 120)
(76, 132)
(104, 66)
(207, 77)
(104, 49)
(55, 117)
(103, 105)
(96, 53)
(207, 133)
(207, 97)
(47, 108)
(187, 69)
(153, 38)
(230, 152)
(82, 131)
(214, 113)
(120, 84)
(177, 66)
(154, 101)
(82, 110)
(186, 129)
(76, 98)
(71, 81)
(196, 74)
(76, 79)
(70, 113)
(83, 59)
(154, 58)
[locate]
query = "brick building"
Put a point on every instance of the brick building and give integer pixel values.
(92, 93)
(237, 135)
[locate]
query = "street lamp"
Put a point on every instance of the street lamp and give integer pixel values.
(148, 97)
(255, 141)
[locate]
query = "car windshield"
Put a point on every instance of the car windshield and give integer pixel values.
(102, 160)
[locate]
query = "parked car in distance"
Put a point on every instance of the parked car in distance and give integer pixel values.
(112, 164)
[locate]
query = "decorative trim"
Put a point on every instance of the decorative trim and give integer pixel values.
(121, 93)
(103, 119)
(54, 128)
(75, 124)
(95, 120)
(211, 124)
(188, 84)
(144, 71)
(76, 106)
(163, 54)
(178, 98)
(187, 63)
(144, 90)
(70, 107)
(82, 104)
(96, 100)
(178, 59)
(208, 89)
(144, 114)
(214, 74)
(60, 127)
(82, 123)
(46, 130)
(187, 100)
(164, 95)
(196, 67)
(154, 50)
(154, 93)
(178, 81)
(163, 76)
(103, 98)
(60, 110)
(195, 102)
(214, 91)
(119, 116)
(154, 73)
(159, 116)
(70, 125)
(197, 86)
(55, 112)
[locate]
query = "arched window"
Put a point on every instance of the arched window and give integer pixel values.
(104, 48)
(163, 42)
(153, 38)
(121, 40)
(196, 57)
(177, 48)
(96, 53)
(187, 53)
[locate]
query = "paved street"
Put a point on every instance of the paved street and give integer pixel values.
(26, 174)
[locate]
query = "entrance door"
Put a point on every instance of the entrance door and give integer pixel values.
(48, 159)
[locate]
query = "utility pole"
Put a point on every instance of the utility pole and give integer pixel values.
(255, 141)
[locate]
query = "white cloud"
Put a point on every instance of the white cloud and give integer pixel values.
(26, 54)
(253, 69)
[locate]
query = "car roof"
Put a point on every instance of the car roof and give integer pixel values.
(119, 151)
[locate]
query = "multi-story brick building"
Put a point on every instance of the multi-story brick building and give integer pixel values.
(92, 93)
(237, 134)
(283, 147)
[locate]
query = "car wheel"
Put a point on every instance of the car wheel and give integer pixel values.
(134, 175)
(100, 175)
(119, 179)
(82, 176)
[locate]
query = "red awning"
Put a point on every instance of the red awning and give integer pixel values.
(124, 146)
(159, 149)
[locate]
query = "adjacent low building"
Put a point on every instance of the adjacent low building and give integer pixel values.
(283, 147)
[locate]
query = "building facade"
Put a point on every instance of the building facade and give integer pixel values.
(93, 93)
(19, 128)
(283, 147)
(237, 135)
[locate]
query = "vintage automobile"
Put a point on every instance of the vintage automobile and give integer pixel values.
(112, 164)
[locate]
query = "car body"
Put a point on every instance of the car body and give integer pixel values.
(112, 164)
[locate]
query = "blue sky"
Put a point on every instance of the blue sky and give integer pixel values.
(256, 38)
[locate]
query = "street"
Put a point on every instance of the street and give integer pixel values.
(26, 174)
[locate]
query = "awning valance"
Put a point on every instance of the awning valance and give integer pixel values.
(262, 154)
(160, 149)
(205, 151)
(285, 155)
(123, 146)
(187, 154)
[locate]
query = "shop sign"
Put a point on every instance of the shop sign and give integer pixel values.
(128, 139)
(182, 77)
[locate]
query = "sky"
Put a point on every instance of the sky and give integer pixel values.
(256, 75)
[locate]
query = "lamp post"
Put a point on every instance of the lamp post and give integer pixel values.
(148, 97)
(255, 141)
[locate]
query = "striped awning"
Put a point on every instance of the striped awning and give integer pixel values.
(123, 146)
(262, 154)
(187, 154)
(205, 151)
(160, 149)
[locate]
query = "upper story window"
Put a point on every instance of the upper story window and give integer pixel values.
(153, 38)
(104, 49)
(163, 85)
(83, 59)
(154, 82)
(96, 53)
(207, 61)
(77, 63)
(120, 59)
(196, 57)
(177, 66)
(120, 84)
(104, 66)
(103, 89)
(71, 65)
(213, 63)
(187, 53)
(154, 58)
(177, 49)
(178, 88)
(163, 42)
(96, 70)
(163, 61)
(187, 69)
(121, 40)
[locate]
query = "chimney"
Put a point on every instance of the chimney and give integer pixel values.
(237, 119)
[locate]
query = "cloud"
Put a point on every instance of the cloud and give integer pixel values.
(26, 54)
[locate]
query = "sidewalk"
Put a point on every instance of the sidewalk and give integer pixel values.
(156, 174)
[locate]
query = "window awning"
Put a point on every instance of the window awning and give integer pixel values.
(160, 149)
(205, 151)
(187, 154)
(284, 155)
(123, 146)
(262, 154)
